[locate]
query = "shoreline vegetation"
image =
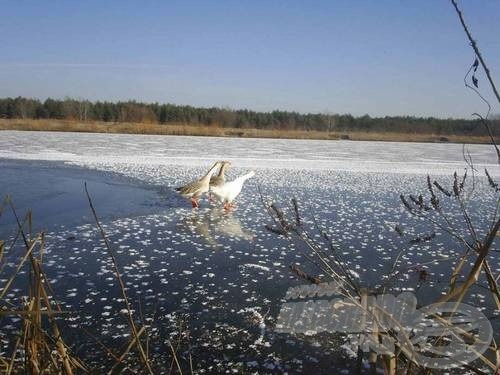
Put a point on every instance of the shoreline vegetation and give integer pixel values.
(55, 125)
(168, 119)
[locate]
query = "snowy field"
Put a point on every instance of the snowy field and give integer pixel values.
(221, 273)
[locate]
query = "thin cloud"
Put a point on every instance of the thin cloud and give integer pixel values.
(83, 65)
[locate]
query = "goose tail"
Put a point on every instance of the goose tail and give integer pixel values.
(248, 175)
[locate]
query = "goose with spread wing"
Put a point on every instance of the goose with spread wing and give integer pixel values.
(227, 192)
(194, 190)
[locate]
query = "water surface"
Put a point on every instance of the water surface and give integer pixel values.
(222, 273)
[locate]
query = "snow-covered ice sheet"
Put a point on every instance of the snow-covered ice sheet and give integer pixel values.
(389, 157)
(224, 272)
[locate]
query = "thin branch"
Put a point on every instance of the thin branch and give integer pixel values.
(476, 49)
(476, 90)
(490, 133)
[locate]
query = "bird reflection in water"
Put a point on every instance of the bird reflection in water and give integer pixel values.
(215, 224)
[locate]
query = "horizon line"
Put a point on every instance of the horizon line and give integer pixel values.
(494, 116)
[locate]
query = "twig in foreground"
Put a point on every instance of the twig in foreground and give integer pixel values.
(122, 286)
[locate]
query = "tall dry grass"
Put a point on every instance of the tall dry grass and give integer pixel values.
(214, 131)
(40, 347)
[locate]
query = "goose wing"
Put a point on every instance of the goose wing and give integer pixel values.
(227, 191)
(191, 188)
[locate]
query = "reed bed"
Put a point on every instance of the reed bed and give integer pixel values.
(39, 347)
(216, 131)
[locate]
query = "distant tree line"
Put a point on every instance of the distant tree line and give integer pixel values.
(132, 111)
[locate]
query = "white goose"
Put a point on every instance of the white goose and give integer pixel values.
(220, 178)
(230, 190)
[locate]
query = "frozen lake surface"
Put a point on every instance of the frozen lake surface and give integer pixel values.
(221, 273)
(392, 157)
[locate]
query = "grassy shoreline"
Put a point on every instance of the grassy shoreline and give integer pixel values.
(193, 130)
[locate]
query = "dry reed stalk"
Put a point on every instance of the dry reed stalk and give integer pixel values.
(174, 355)
(476, 269)
(100, 343)
(46, 352)
(43, 353)
(305, 276)
(478, 248)
(18, 268)
(61, 347)
(129, 347)
(133, 327)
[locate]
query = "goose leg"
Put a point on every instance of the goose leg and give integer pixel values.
(194, 203)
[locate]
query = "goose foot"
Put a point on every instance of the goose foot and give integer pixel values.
(194, 203)
(228, 206)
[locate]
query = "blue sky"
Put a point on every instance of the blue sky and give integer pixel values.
(360, 57)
